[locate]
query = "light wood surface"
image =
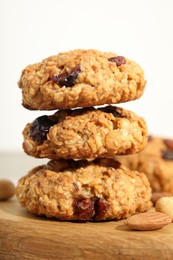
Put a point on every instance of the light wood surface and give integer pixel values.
(24, 236)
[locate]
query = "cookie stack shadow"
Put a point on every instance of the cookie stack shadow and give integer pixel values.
(83, 181)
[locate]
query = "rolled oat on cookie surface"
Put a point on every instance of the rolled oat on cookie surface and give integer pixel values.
(85, 134)
(84, 191)
(81, 78)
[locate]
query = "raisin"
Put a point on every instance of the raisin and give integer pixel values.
(39, 183)
(113, 111)
(101, 207)
(150, 138)
(75, 186)
(119, 60)
(40, 127)
(169, 144)
(167, 155)
(84, 208)
(117, 114)
(110, 163)
(58, 165)
(67, 78)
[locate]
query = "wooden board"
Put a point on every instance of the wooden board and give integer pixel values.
(24, 236)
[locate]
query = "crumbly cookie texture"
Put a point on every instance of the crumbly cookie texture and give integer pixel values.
(85, 134)
(156, 161)
(79, 190)
(81, 78)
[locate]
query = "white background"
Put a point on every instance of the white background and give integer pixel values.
(31, 30)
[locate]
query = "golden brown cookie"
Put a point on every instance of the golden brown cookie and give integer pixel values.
(156, 161)
(84, 191)
(85, 133)
(81, 78)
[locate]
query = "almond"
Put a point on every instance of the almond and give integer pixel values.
(7, 189)
(157, 195)
(148, 221)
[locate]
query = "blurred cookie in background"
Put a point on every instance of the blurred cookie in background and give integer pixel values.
(156, 161)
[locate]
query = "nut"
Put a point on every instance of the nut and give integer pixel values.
(157, 195)
(7, 189)
(148, 221)
(165, 205)
(169, 144)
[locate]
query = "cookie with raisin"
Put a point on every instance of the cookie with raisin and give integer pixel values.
(156, 161)
(86, 133)
(81, 78)
(84, 191)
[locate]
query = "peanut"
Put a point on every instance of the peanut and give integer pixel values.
(165, 205)
(7, 189)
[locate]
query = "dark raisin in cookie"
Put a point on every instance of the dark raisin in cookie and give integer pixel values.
(81, 78)
(85, 134)
(84, 191)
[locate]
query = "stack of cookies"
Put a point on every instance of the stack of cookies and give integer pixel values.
(82, 181)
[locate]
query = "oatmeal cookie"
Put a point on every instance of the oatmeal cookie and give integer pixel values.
(79, 190)
(81, 78)
(85, 134)
(156, 161)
